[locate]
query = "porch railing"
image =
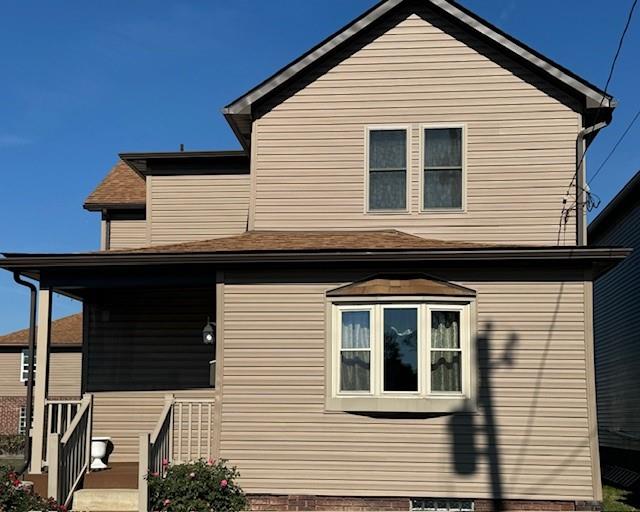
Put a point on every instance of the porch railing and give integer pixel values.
(69, 455)
(183, 433)
(58, 416)
(193, 429)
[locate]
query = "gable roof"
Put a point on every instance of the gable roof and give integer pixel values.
(625, 200)
(65, 332)
(401, 284)
(239, 112)
(121, 188)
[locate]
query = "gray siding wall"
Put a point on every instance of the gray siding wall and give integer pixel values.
(533, 362)
(617, 339)
(148, 340)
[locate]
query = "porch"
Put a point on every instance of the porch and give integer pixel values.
(148, 383)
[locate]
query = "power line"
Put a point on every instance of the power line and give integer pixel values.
(615, 146)
(592, 203)
(606, 86)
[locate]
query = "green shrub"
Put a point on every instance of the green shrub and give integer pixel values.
(202, 486)
(12, 445)
(14, 497)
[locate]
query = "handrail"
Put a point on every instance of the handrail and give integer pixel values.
(58, 417)
(69, 456)
(155, 451)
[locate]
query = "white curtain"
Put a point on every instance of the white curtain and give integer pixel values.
(355, 364)
(445, 365)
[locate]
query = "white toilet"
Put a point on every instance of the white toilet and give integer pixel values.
(98, 452)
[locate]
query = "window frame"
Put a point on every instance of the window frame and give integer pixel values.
(379, 400)
(337, 360)
(367, 139)
(22, 420)
(24, 365)
(464, 347)
(439, 126)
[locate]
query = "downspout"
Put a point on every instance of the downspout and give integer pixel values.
(30, 374)
(581, 180)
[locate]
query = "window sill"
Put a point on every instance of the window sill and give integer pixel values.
(396, 404)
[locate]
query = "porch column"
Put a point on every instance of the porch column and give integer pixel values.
(41, 379)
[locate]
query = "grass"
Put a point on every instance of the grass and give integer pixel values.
(619, 500)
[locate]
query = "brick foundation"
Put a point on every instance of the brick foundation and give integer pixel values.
(299, 503)
(10, 413)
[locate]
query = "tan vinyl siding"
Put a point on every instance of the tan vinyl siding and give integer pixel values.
(184, 208)
(275, 428)
(10, 384)
(64, 373)
(617, 346)
(310, 148)
(122, 416)
(126, 234)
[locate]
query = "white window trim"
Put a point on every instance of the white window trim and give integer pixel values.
(367, 130)
(378, 400)
(338, 352)
(448, 211)
(24, 367)
(22, 420)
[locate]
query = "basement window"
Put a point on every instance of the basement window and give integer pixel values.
(441, 505)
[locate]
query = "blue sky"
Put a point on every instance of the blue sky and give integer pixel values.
(82, 81)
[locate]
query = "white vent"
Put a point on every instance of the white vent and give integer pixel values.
(441, 505)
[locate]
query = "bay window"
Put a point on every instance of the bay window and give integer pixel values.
(396, 350)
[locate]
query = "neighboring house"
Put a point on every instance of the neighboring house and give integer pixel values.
(399, 314)
(65, 362)
(616, 309)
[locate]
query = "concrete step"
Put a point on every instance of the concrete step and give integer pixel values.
(105, 500)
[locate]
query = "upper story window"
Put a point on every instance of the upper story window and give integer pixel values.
(443, 171)
(387, 169)
(24, 365)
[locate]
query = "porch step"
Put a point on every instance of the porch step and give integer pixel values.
(105, 500)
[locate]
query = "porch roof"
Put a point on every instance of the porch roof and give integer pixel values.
(279, 247)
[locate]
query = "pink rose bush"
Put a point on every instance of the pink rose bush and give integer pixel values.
(16, 497)
(204, 485)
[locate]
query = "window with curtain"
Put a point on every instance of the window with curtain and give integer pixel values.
(387, 169)
(446, 351)
(355, 351)
(406, 348)
(443, 168)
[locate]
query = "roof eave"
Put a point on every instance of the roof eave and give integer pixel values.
(98, 207)
(17, 261)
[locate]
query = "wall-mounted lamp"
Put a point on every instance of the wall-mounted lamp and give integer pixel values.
(209, 333)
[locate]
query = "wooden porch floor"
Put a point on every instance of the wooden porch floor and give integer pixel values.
(119, 475)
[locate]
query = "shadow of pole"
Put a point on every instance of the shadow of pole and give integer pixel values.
(464, 431)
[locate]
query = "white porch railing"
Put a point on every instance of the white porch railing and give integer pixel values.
(58, 416)
(69, 455)
(183, 433)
